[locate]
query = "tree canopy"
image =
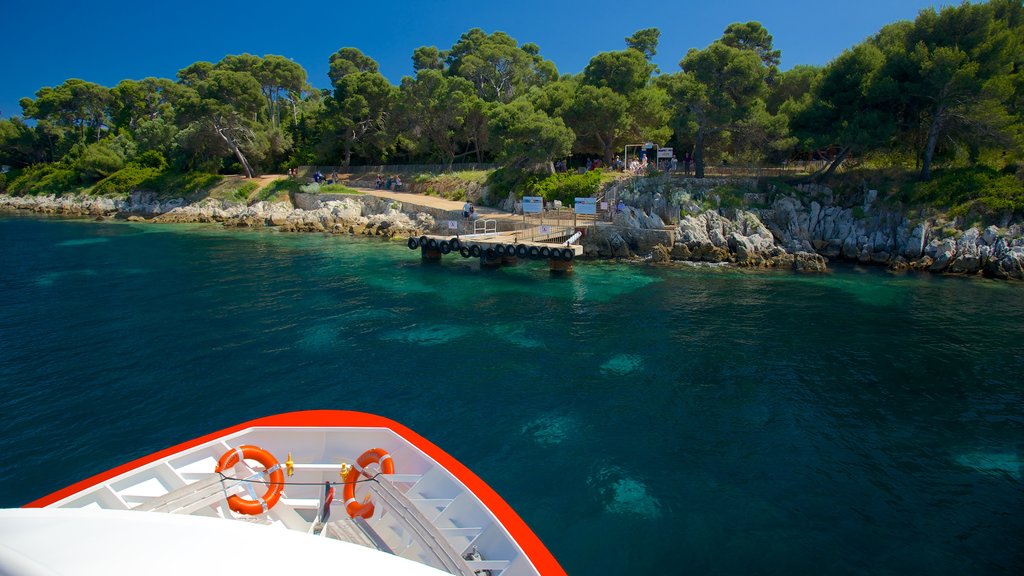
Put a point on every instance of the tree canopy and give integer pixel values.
(946, 89)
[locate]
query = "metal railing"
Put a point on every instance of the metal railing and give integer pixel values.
(385, 169)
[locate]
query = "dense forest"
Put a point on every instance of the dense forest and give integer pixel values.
(943, 91)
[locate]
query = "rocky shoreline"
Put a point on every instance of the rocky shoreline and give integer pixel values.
(805, 232)
(791, 233)
(364, 215)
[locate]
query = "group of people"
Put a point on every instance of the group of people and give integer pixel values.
(469, 211)
(319, 178)
(392, 182)
(636, 165)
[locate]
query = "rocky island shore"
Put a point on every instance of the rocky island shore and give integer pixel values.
(791, 232)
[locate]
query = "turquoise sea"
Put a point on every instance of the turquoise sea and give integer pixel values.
(641, 419)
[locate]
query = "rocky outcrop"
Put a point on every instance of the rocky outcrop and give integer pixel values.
(803, 232)
(357, 215)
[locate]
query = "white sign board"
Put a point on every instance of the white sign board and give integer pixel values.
(604, 205)
(664, 152)
(586, 205)
(453, 225)
(533, 204)
(545, 229)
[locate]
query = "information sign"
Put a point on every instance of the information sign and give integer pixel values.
(453, 224)
(586, 205)
(664, 153)
(533, 204)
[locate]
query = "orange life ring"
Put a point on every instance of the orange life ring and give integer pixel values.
(377, 456)
(274, 489)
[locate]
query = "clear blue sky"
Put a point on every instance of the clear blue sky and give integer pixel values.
(46, 42)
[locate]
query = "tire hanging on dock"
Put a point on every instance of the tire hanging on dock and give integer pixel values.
(568, 254)
(413, 243)
(423, 241)
(475, 251)
(455, 243)
(534, 252)
(522, 250)
(490, 253)
(432, 243)
(545, 252)
(464, 252)
(499, 250)
(445, 247)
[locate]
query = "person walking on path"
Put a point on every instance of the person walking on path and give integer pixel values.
(466, 208)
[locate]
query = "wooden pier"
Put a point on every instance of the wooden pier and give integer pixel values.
(496, 249)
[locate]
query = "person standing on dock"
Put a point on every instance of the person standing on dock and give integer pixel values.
(465, 210)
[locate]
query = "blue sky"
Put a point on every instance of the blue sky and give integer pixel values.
(104, 41)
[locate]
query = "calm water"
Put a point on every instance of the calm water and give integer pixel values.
(642, 420)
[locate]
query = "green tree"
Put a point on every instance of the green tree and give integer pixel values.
(434, 109)
(349, 61)
(75, 105)
(848, 107)
(497, 66)
(363, 104)
(225, 105)
(428, 58)
(624, 72)
(524, 136)
(715, 91)
(645, 41)
(754, 37)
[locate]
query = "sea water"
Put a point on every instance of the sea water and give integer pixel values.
(642, 419)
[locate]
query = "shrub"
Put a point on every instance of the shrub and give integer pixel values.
(151, 159)
(99, 160)
(52, 178)
(979, 189)
(245, 190)
(128, 179)
(565, 187)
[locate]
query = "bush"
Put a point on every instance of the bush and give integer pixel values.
(565, 187)
(99, 160)
(52, 178)
(151, 159)
(980, 190)
(128, 179)
(245, 190)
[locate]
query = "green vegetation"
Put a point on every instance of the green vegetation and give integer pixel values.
(565, 187)
(978, 192)
(941, 94)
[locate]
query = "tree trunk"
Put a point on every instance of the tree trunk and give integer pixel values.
(933, 140)
(698, 155)
(348, 156)
(608, 153)
(249, 173)
(824, 174)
